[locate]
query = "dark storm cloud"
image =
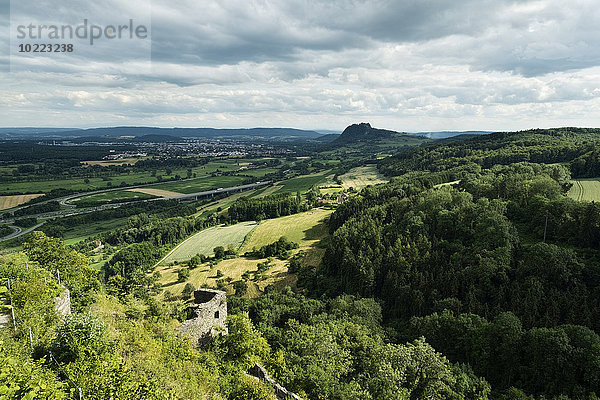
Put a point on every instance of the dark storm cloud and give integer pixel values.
(524, 37)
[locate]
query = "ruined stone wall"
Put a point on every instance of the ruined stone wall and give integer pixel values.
(5, 318)
(260, 373)
(62, 304)
(206, 317)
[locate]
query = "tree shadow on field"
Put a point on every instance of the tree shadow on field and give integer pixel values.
(318, 231)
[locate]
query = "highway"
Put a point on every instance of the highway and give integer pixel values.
(78, 211)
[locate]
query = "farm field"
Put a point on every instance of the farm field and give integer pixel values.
(116, 195)
(267, 191)
(201, 185)
(223, 203)
(154, 192)
(360, 177)
(205, 241)
(303, 183)
(82, 232)
(585, 190)
(7, 202)
(130, 179)
(259, 172)
(305, 228)
(108, 163)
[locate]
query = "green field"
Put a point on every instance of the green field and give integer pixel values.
(115, 195)
(201, 185)
(303, 183)
(259, 172)
(82, 232)
(304, 228)
(585, 190)
(204, 242)
(360, 177)
(130, 179)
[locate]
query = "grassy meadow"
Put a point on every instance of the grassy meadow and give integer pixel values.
(360, 177)
(306, 229)
(205, 241)
(585, 190)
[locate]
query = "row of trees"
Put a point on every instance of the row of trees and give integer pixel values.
(273, 206)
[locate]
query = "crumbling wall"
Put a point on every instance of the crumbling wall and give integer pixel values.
(62, 304)
(206, 317)
(5, 318)
(259, 372)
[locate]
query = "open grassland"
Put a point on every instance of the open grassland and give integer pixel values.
(303, 183)
(7, 202)
(205, 241)
(305, 228)
(232, 268)
(115, 195)
(585, 190)
(258, 172)
(155, 192)
(447, 184)
(223, 203)
(201, 185)
(268, 191)
(108, 163)
(360, 177)
(129, 179)
(82, 232)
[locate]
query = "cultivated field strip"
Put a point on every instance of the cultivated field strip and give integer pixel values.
(7, 202)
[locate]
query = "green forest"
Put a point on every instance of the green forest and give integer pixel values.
(471, 275)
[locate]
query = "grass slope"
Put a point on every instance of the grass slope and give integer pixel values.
(360, 177)
(303, 183)
(307, 229)
(585, 190)
(201, 185)
(204, 242)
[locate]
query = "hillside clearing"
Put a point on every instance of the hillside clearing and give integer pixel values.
(447, 184)
(585, 190)
(305, 228)
(360, 177)
(205, 241)
(7, 202)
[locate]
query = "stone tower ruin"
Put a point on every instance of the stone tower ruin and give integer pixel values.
(206, 318)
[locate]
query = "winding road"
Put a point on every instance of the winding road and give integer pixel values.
(77, 211)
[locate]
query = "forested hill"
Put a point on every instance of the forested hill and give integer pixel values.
(576, 146)
(475, 246)
(364, 132)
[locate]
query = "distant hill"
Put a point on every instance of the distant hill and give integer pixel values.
(363, 139)
(363, 132)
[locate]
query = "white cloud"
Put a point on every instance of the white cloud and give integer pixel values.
(410, 66)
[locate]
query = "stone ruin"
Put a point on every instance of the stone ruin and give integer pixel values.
(206, 318)
(259, 373)
(62, 304)
(62, 307)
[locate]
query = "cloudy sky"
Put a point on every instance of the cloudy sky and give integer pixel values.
(408, 65)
